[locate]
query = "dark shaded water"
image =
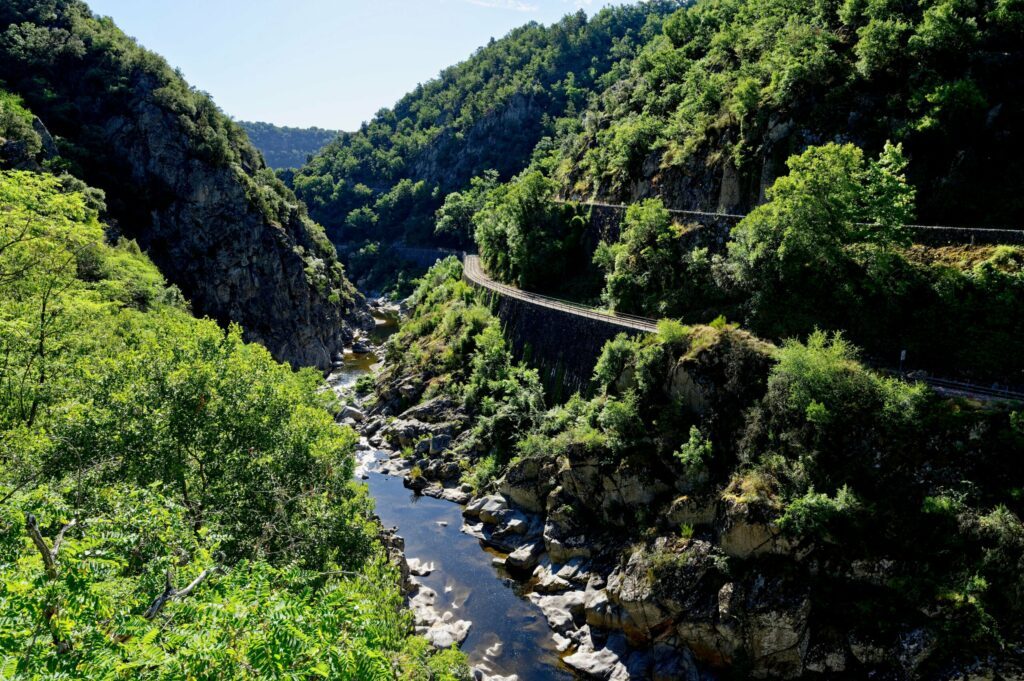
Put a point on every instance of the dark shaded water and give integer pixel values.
(509, 634)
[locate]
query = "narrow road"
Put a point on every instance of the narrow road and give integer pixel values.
(475, 273)
(630, 323)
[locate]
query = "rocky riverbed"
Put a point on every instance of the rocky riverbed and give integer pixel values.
(457, 589)
(484, 572)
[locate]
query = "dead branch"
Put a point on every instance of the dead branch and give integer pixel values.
(49, 555)
(50, 561)
(170, 593)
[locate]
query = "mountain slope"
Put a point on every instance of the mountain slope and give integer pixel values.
(285, 147)
(489, 112)
(707, 113)
(127, 437)
(180, 177)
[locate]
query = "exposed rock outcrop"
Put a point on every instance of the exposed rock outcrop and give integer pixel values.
(184, 181)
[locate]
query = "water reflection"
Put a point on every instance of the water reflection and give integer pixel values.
(509, 634)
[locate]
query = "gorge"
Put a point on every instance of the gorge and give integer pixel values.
(616, 351)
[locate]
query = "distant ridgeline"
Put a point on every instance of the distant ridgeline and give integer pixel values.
(285, 147)
(385, 181)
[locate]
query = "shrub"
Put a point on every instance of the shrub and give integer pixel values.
(483, 472)
(817, 515)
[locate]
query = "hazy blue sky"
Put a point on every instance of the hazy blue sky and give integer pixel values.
(330, 63)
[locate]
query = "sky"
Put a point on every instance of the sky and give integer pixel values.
(325, 63)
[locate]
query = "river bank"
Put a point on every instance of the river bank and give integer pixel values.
(458, 589)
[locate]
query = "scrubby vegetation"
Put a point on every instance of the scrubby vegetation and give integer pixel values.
(173, 503)
(16, 123)
(847, 467)
(454, 349)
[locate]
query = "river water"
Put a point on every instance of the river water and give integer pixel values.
(509, 635)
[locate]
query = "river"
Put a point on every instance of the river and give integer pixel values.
(509, 634)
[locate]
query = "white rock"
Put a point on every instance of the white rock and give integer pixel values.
(491, 511)
(473, 507)
(420, 568)
(445, 634)
(602, 664)
(525, 557)
(562, 643)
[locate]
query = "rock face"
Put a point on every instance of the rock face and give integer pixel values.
(211, 238)
(185, 182)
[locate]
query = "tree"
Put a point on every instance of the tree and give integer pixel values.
(797, 242)
(643, 269)
(455, 216)
(524, 233)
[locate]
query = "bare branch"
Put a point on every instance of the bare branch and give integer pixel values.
(50, 561)
(37, 538)
(172, 594)
(184, 593)
(161, 600)
(60, 538)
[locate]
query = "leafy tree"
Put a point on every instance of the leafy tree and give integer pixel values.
(831, 198)
(524, 235)
(16, 123)
(649, 270)
(455, 216)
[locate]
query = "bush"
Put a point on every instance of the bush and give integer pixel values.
(817, 516)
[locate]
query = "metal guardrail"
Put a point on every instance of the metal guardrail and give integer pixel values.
(736, 216)
(974, 389)
(475, 273)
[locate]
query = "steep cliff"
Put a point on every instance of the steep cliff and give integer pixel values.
(180, 178)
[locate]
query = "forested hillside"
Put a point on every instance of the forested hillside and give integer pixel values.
(385, 181)
(180, 177)
(833, 125)
(175, 504)
(711, 108)
(284, 147)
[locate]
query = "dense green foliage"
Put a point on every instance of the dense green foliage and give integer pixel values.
(488, 112)
(157, 451)
(829, 248)
(524, 236)
(286, 147)
(743, 84)
(650, 269)
(79, 72)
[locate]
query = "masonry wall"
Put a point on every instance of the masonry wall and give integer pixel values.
(563, 347)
